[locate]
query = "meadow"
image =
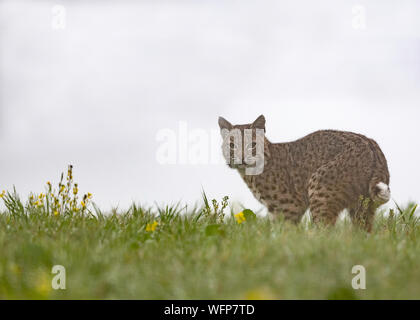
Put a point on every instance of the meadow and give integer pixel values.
(205, 252)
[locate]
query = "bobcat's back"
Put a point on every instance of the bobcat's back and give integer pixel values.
(355, 156)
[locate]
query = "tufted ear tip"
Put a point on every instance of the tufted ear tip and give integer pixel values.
(259, 123)
(224, 124)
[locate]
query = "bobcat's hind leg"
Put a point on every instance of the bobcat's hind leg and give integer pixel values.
(323, 211)
(326, 200)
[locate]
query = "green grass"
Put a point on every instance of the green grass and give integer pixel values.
(196, 255)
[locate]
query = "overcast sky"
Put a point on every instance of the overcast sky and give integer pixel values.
(96, 86)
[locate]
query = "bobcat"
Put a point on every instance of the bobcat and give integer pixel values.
(326, 171)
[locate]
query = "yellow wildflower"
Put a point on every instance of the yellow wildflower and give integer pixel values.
(83, 204)
(56, 213)
(240, 217)
(150, 227)
(2, 194)
(89, 195)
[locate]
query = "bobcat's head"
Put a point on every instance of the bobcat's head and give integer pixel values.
(244, 146)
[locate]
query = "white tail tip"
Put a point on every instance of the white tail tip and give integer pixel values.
(384, 193)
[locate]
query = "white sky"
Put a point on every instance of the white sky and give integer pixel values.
(96, 93)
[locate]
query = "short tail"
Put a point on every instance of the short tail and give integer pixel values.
(380, 192)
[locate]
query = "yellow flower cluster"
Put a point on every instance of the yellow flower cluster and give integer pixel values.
(240, 217)
(39, 201)
(150, 227)
(64, 199)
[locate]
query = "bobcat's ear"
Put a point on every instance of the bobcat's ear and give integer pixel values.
(259, 123)
(224, 124)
